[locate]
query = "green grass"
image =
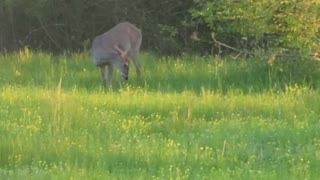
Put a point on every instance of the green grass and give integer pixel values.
(187, 118)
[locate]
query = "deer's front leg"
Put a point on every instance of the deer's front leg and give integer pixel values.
(106, 74)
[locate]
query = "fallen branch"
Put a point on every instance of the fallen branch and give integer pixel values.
(278, 52)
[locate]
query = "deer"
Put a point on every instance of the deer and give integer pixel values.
(113, 48)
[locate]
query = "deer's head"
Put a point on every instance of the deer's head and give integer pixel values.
(124, 64)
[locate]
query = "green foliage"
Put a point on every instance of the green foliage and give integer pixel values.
(294, 24)
(299, 22)
(235, 16)
(168, 27)
(187, 118)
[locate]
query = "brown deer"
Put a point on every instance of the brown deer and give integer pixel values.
(114, 47)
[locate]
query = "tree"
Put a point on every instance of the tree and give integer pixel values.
(293, 24)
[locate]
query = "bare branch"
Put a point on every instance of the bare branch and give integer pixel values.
(48, 34)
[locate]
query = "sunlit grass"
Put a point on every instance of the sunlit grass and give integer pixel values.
(186, 118)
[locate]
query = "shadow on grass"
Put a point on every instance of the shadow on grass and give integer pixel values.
(247, 76)
(170, 74)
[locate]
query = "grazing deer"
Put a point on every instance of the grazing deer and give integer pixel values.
(113, 48)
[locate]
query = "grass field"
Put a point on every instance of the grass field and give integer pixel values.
(187, 118)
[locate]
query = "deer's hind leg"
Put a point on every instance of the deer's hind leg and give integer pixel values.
(135, 57)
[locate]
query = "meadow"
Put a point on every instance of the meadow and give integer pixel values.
(188, 117)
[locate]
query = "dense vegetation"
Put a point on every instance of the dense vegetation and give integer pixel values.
(170, 27)
(187, 118)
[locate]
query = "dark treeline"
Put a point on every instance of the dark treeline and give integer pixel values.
(59, 25)
(168, 27)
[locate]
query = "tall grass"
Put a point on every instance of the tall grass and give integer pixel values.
(187, 118)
